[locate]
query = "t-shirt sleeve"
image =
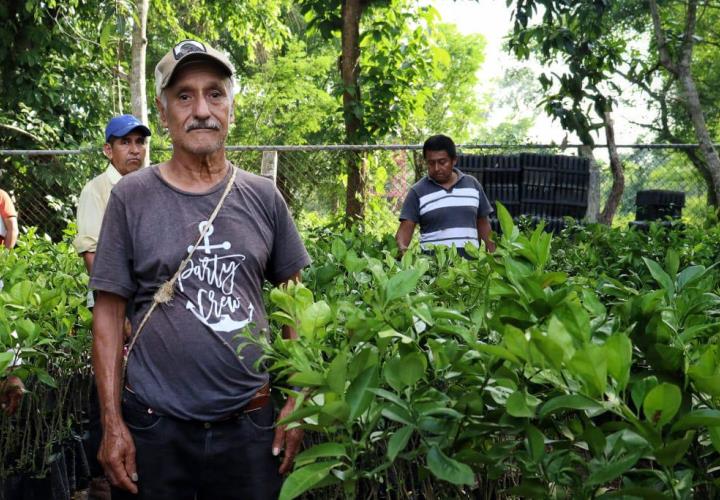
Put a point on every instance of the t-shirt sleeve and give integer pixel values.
(112, 268)
(288, 254)
(7, 207)
(484, 206)
(411, 207)
(89, 219)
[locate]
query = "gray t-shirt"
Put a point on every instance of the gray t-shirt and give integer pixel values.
(184, 363)
(446, 216)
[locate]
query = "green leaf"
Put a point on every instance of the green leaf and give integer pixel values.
(21, 292)
(6, 359)
(392, 373)
(673, 452)
(497, 351)
(334, 412)
(392, 397)
(307, 379)
(316, 316)
(619, 358)
(322, 450)
(397, 414)
(590, 366)
(353, 263)
(689, 275)
(714, 433)
(338, 249)
(610, 471)
(698, 418)
(517, 405)
(45, 378)
(509, 231)
(672, 262)
(358, 395)
(535, 443)
(398, 441)
(281, 298)
(300, 414)
(447, 469)
(641, 388)
(660, 275)
(662, 403)
(304, 478)
(413, 368)
(569, 402)
(337, 374)
(402, 283)
(390, 333)
(705, 373)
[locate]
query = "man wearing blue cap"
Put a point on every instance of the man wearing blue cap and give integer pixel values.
(125, 146)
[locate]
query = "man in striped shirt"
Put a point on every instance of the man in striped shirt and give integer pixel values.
(450, 207)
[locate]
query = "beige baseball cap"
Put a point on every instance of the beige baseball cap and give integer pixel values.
(183, 52)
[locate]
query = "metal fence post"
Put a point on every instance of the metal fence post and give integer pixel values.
(268, 167)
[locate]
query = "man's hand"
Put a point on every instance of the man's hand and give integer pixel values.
(11, 393)
(117, 457)
(288, 439)
(404, 235)
(490, 245)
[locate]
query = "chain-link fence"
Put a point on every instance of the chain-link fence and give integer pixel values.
(313, 179)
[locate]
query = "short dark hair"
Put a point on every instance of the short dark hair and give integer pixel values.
(439, 143)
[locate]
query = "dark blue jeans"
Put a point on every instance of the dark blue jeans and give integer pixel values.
(178, 460)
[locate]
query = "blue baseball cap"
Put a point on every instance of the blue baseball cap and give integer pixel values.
(122, 125)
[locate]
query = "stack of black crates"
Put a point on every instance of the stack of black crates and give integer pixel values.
(538, 186)
(659, 205)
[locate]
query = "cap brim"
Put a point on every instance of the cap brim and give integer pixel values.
(125, 131)
(196, 58)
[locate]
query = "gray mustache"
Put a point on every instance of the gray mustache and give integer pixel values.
(205, 124)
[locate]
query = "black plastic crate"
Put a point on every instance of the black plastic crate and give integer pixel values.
(655, 212)
(542, 210)
(659, 197)
(539, 184)
(475, 172)
(574, 210)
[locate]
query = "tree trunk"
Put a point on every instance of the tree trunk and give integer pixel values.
(418, 164)
(593, 210)
(692, 103)
(138, 94)
(352, 111)
(618, 174)
(682, 69)
(699, 163)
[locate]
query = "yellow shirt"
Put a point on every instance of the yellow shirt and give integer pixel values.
(91, 208)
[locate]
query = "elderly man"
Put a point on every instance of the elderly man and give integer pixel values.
(450, 207)
(8, 221)
(187, 244)
(125, 147)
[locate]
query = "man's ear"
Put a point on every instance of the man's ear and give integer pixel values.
(107, 151)
(161, 112)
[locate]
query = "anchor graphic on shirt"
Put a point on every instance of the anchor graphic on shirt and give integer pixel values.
(225, 245)
(226, 323)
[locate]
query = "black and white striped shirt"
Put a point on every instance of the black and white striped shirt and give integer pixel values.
(446, 216)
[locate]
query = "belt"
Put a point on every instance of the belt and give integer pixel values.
(258, 402)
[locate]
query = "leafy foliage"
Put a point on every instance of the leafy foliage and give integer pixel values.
(45, 340)
(442, 374)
